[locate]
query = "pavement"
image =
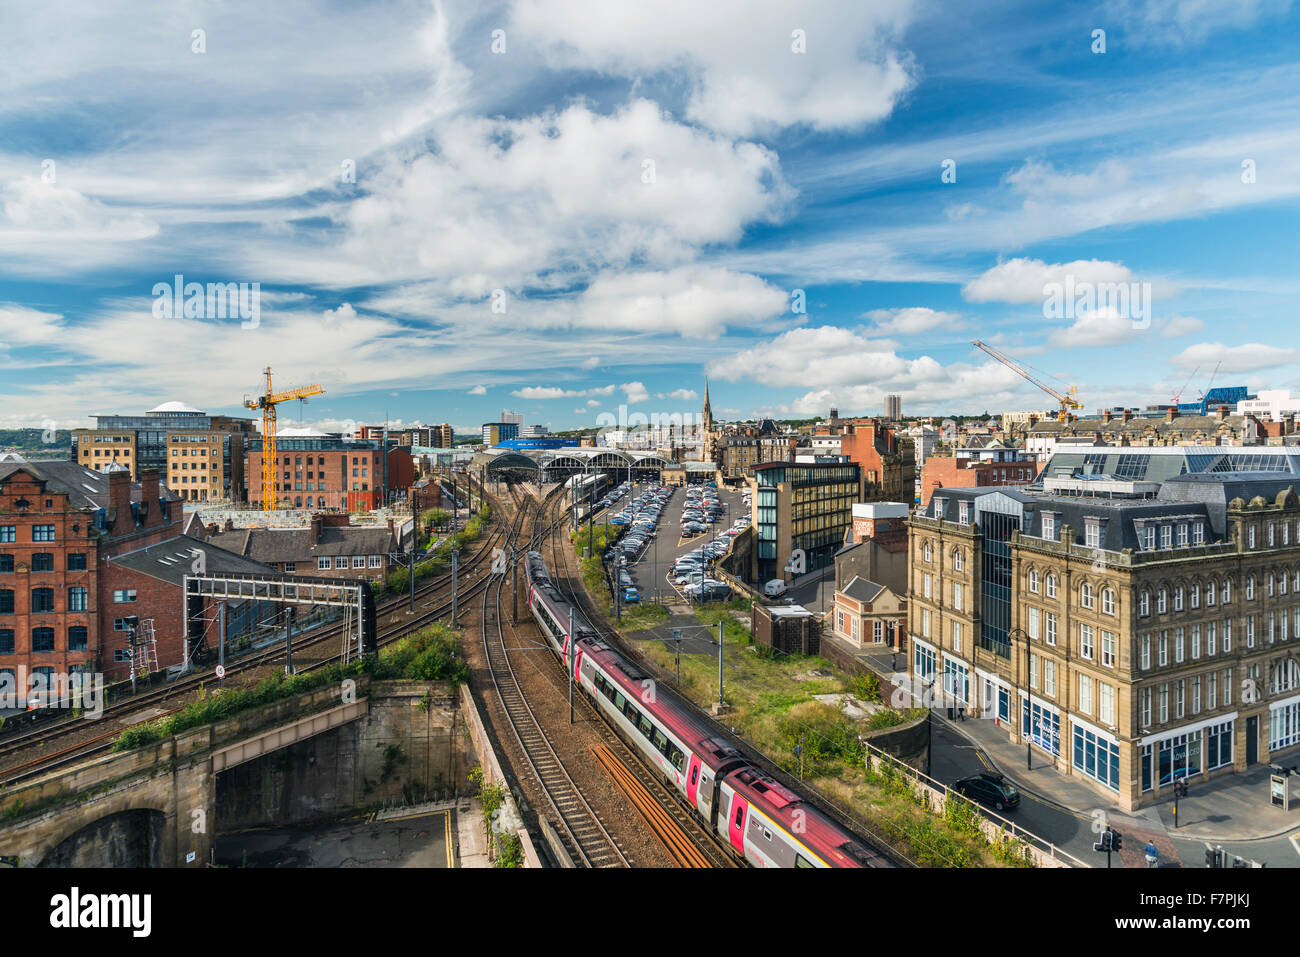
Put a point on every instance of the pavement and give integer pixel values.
(1231, 811)
(816, 591)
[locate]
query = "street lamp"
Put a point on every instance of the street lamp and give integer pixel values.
(1029, 697)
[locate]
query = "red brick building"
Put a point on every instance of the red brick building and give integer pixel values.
(59, 524)
(330, 547)
(959, 471)
(334, 474)
(887, 462)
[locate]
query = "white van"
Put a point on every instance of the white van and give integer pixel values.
(774, 589)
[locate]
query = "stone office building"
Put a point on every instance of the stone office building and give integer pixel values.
(1136, 630)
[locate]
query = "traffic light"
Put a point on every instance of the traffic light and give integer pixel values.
(1116, 841)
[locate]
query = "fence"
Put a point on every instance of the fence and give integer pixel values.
(994, 827)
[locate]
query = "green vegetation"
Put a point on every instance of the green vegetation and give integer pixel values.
(33, 440)
(399, 579)
(425, 655)
(772, 704)
(641, 616)
(508, 850)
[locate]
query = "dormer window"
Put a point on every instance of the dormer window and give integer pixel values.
(963, 513)
(1198, 533)
(1166, 536)
(1182, 535)
(1093, 529)
(1049, 526)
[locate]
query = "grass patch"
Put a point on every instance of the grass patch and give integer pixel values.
(641, 616)
(426, 655)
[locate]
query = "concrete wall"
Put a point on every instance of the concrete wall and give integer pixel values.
(412, 747)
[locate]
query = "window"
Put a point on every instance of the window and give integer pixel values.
(1085, 641)
(77, 638)
(1195, 595)
(1085, 694)
(1144, 604)
(42, 600)
(42, 533)
(322, 563)
(1211, 637)
(1162, 601)
(924, 662)
(956, 596)
(1049, 677)
(76, 561)
(43, 561)
(1227, 687)
(1051, 585)
(1250, 631)
(358, 561)
(1209, 594)
(8, 533)
(124, 595)
(1033, 580)
(1227, 591)
(957, 563)
(1164, 702)
(1178, 598)
(925, 622)
(1106, 704)
(963, 513)
(1096, 757)
(1250, 588)
(1196, 642)
(376, 561)
(1164, 648)
(1051, 627)
(1198, 533)
(956, 635)
(926, 551)
(1178, 646)
(6, 641)
(42, 639)
(1182, 535)
(1033, 624)
(1108, 601)
(1049, 526)
(925, 585)
(340, 561)
(6, 602)
(1092, 534)
(1085, 595)
(1146, 707)
(6, 563)
(1211, 690)
(77, 598)
(1108, 649)
(1166, 536)
(1180, 707)
(1146, 652)
(1196, 695)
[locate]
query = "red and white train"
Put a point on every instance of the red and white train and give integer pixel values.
(759, 819)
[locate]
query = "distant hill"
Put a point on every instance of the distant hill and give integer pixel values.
(26, 441)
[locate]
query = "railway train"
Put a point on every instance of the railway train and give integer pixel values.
(755, 817)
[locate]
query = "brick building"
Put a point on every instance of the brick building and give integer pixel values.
(886, 458)
(325, 472)
(1006, 468)
(329, 548)
(59, 595)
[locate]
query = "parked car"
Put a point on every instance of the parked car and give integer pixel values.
(989, 788)
(631, 596)
(774, 588)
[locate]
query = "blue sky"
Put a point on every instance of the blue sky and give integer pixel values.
(641, 189)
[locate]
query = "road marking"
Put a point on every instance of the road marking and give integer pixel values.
(1294, 842)
(451, 863)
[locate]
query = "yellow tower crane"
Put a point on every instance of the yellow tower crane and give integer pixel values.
(1066, 400)
(270, 457)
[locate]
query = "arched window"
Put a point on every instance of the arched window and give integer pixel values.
(1227, 591)
(42, 600)
(1250, 588)
(1144, 603)
(1162, 600)
(1051, 585)
(1033, 580)
(1085, 595)
(1108, 601)
(1178, 598)
(1210, 596)
(926, 551)
(956, 559)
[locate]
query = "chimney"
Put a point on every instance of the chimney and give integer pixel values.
(315, 530)
(1105, 417)
(1221, 413)
(1128, 415)
(150, 493)
(1171, 413)
(230, 525)
(119, 501)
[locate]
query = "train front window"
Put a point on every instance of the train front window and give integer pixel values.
(801, 861)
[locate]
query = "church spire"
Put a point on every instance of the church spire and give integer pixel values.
(708, 412)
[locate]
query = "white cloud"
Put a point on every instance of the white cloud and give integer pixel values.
(683, 394)
(692, 300)
(23, 326)
(1176, 23)
(477, 390)
(1098, 328)
(1249, 357)
(553, 392)
(1177, 326)
(736, 56)
(636, 392)
(910, 321)
(589, 363)
(1023, 280)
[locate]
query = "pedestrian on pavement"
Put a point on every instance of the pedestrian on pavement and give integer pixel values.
(893, 662)
(1153, 855)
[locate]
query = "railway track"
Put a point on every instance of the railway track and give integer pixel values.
(675, 824)
(580, 830)
(100, 743)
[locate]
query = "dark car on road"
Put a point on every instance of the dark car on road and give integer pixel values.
(989, 788)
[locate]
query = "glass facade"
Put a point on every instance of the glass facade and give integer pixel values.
(1046, 731)
(1096, 757)
(995, 587)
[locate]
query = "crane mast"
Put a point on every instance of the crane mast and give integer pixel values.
(270, 452)
(1066, 400)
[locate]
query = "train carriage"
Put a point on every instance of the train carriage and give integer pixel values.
(756, 817)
